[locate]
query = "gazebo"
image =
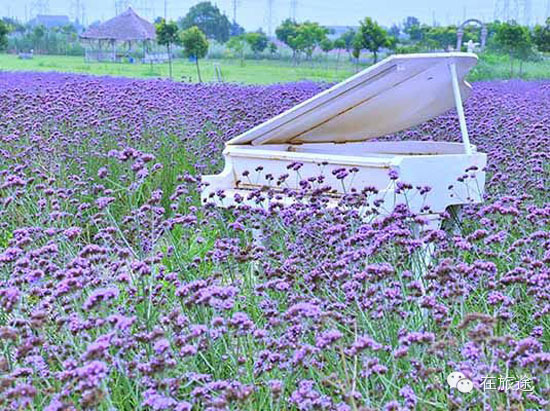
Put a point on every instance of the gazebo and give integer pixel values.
(126, 28)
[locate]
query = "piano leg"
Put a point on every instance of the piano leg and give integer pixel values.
(452, 224)
(259, 238)
(424, 257)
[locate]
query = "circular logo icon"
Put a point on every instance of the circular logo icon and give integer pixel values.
(465, 385)
(459, 381)
(454, 377)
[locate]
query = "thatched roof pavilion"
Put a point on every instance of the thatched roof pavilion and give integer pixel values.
(127, 27)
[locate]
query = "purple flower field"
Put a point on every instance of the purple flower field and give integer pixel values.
(120, 291)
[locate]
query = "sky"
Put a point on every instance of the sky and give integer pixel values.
(253, 14)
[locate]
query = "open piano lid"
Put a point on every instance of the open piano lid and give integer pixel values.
(397, 93)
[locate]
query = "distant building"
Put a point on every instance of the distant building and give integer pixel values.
(337, 31)
(50, 21)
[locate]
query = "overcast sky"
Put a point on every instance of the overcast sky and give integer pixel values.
(253, 14)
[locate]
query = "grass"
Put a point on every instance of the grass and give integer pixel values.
(498, 67)
(253, 71)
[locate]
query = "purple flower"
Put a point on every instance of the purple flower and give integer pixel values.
(157, 401)
(327, 338)
(103, 202)
(9, 298)
(307, 398)
(161, 346)
(91, 375)
(102, 172)
(100, 295)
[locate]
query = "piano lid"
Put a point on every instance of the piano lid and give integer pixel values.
(397, 93)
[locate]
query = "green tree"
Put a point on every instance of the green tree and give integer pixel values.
(237, 45)
(70, 33)
(373, 37)
(439, 37)
(272, 48)
(287, 33)
(308, 36)
(38, 34)
(195, 45)
(208, 18)
(348, 38)
(326, 45)
(412, 27)
(541, 36)
(167, 34)
(357, 46)
(514, 40)
(236, 29)
(257, 41)
(339, 45)
(394, 31)
(4, 31)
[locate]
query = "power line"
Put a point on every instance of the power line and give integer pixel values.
(293, 7)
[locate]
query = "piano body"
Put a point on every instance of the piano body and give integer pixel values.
(331, 131)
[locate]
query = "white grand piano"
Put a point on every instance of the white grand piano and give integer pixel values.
(331, 131)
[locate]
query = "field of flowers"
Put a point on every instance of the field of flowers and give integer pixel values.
(119, 291)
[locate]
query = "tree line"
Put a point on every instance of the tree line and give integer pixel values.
(25, 37)
(204, 21)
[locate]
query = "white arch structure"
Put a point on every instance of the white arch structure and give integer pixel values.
(460, 33)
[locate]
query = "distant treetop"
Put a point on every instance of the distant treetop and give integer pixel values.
(210, 20)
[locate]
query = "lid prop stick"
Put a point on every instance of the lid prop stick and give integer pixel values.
(460, 110)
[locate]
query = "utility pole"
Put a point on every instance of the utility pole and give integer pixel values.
(235, 3)
(270, 18)
(83, 21)
(293, 7)
(165, 9)
(77, 8)
(502, 10)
